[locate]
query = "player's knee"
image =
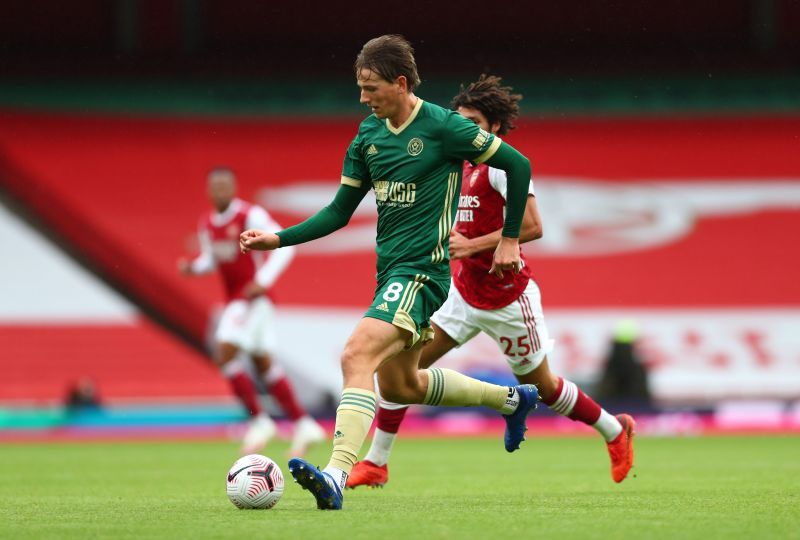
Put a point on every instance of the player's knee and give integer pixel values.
(354, 360)
(225, 353)
(262, 362)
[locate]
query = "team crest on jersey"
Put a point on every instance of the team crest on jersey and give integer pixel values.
(415, 146)
(473, 177)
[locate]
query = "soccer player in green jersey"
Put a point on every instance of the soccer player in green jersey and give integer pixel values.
(411, 153)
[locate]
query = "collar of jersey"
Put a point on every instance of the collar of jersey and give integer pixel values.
(412, 116)
(221, 218)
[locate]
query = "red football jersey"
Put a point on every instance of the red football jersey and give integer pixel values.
(237, 269)
(481, 210)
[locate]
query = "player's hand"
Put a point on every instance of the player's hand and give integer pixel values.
(506, 257)
(185, 267)
(259, 240)
(460, 246)
(253, 290)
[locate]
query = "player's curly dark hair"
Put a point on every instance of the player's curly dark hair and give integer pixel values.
(389, 56)
(495, 101)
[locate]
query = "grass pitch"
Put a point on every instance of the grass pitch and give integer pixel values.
(716, 487)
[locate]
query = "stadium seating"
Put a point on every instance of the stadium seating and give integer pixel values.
(125, 194)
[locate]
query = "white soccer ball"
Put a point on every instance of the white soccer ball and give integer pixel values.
(255, 481)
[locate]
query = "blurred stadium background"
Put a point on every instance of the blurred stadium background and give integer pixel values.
(665, 142)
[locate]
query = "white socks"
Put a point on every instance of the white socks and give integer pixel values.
(338, 475)
(512, 401)
(608, 426)
(381, 447)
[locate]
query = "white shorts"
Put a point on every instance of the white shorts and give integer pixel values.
(250, 325)
(518, 329)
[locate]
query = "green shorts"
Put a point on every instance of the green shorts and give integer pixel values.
(407, 300)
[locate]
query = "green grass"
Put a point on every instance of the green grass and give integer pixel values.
(717, 487)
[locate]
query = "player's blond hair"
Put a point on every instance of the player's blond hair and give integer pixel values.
(389, 56)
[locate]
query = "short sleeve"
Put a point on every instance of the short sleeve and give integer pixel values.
(464, 140)
(499, 182)
(259, 218)
(354, 170)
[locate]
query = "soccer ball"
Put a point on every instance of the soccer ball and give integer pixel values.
(255, 481)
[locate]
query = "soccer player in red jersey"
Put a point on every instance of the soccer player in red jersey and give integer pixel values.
(508, 309)
(248, 321)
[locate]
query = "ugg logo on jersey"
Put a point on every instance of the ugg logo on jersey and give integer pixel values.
(395, 193)
(415, 146)
(381, 190)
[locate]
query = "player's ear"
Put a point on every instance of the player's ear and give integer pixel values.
(494, 127)
(402, 83)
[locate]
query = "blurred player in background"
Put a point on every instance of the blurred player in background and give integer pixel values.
(411, 153)
(508, 309)
(248, 321)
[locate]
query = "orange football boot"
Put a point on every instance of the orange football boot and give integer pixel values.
(366, 473)
(620, 450)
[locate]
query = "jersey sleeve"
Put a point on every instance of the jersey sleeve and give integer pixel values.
(499, 182)
(277, 261)
(204, 262)
(355, 172)
(464, 140)
(258, 218)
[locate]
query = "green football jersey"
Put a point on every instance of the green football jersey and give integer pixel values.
(415, 170)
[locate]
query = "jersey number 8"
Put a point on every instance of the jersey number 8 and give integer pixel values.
(393, 292)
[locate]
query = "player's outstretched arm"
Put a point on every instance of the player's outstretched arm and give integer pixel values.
(331, 218)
